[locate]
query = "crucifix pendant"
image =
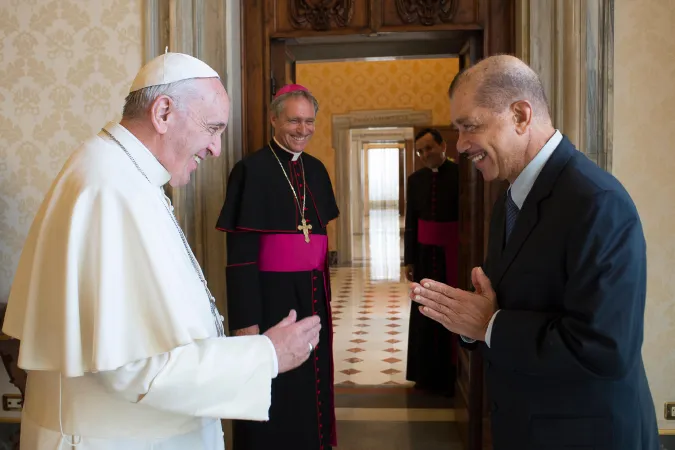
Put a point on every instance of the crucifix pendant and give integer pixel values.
(305, 229)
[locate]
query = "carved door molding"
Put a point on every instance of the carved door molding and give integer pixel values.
(427, 12)
(320, 15)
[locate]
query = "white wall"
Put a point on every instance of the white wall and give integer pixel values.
(643, 159)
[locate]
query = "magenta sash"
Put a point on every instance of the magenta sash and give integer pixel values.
(290, 253)
(446, 235)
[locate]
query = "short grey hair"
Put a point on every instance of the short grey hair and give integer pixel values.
(502, 82)
(138, 102)
(277, 105)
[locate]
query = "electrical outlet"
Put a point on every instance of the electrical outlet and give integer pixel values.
(11, 402)
(670, 411)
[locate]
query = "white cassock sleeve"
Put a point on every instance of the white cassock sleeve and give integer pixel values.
(226, 378)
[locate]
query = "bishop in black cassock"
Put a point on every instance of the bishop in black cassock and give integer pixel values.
(431, 242)
(276, 262)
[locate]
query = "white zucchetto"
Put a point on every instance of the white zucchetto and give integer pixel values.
(169, 68)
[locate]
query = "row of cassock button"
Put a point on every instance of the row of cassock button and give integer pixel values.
(433, 216)
(316, 358)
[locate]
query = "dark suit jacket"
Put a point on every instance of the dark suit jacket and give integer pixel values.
(565, 369)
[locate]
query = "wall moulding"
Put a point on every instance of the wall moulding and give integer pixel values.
(389, 135)
(198, 28)
(570, 43)
(384, 118)
(211, 31)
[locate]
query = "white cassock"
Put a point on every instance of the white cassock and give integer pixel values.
(117, 332)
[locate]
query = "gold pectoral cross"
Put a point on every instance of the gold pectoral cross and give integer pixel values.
(305, 229)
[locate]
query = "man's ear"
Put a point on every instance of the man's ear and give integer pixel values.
(160, 110)
(522, 115)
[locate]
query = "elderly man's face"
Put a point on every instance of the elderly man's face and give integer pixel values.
(196, 130)
(488, 138)
(295, 125)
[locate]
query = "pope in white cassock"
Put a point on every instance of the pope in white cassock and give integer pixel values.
(120, 337)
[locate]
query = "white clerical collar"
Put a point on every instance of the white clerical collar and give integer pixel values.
(295, 155)
(148, 163)
(523, 184)
(435, 169)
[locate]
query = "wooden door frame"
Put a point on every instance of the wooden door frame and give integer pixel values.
(497, 35)
(402, 179)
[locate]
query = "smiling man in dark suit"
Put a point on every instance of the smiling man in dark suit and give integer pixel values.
(559, 303)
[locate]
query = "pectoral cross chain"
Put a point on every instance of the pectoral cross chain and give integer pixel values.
(305, 229)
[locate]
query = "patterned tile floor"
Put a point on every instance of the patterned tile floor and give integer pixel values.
(371, 309)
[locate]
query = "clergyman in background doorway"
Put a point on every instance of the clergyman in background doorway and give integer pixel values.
(431, 242)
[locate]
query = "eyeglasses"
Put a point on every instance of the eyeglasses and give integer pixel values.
(423, 150)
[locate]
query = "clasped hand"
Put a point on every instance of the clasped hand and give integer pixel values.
(465, 313)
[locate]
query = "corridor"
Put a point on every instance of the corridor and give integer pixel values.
(376, 408)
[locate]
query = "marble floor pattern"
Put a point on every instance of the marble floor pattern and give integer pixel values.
(371, 308)
(371, 328)
(376, 408)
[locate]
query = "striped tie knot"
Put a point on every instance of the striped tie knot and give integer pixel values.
(511, 214)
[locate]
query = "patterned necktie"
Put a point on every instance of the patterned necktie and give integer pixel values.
(511, 214)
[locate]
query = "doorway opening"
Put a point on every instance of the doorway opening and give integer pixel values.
(381, 247)
(278, 36)
(370, 110)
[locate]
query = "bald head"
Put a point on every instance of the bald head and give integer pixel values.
(499, 81)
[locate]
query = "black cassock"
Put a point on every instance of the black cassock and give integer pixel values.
(271, 270)
(431, 242)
